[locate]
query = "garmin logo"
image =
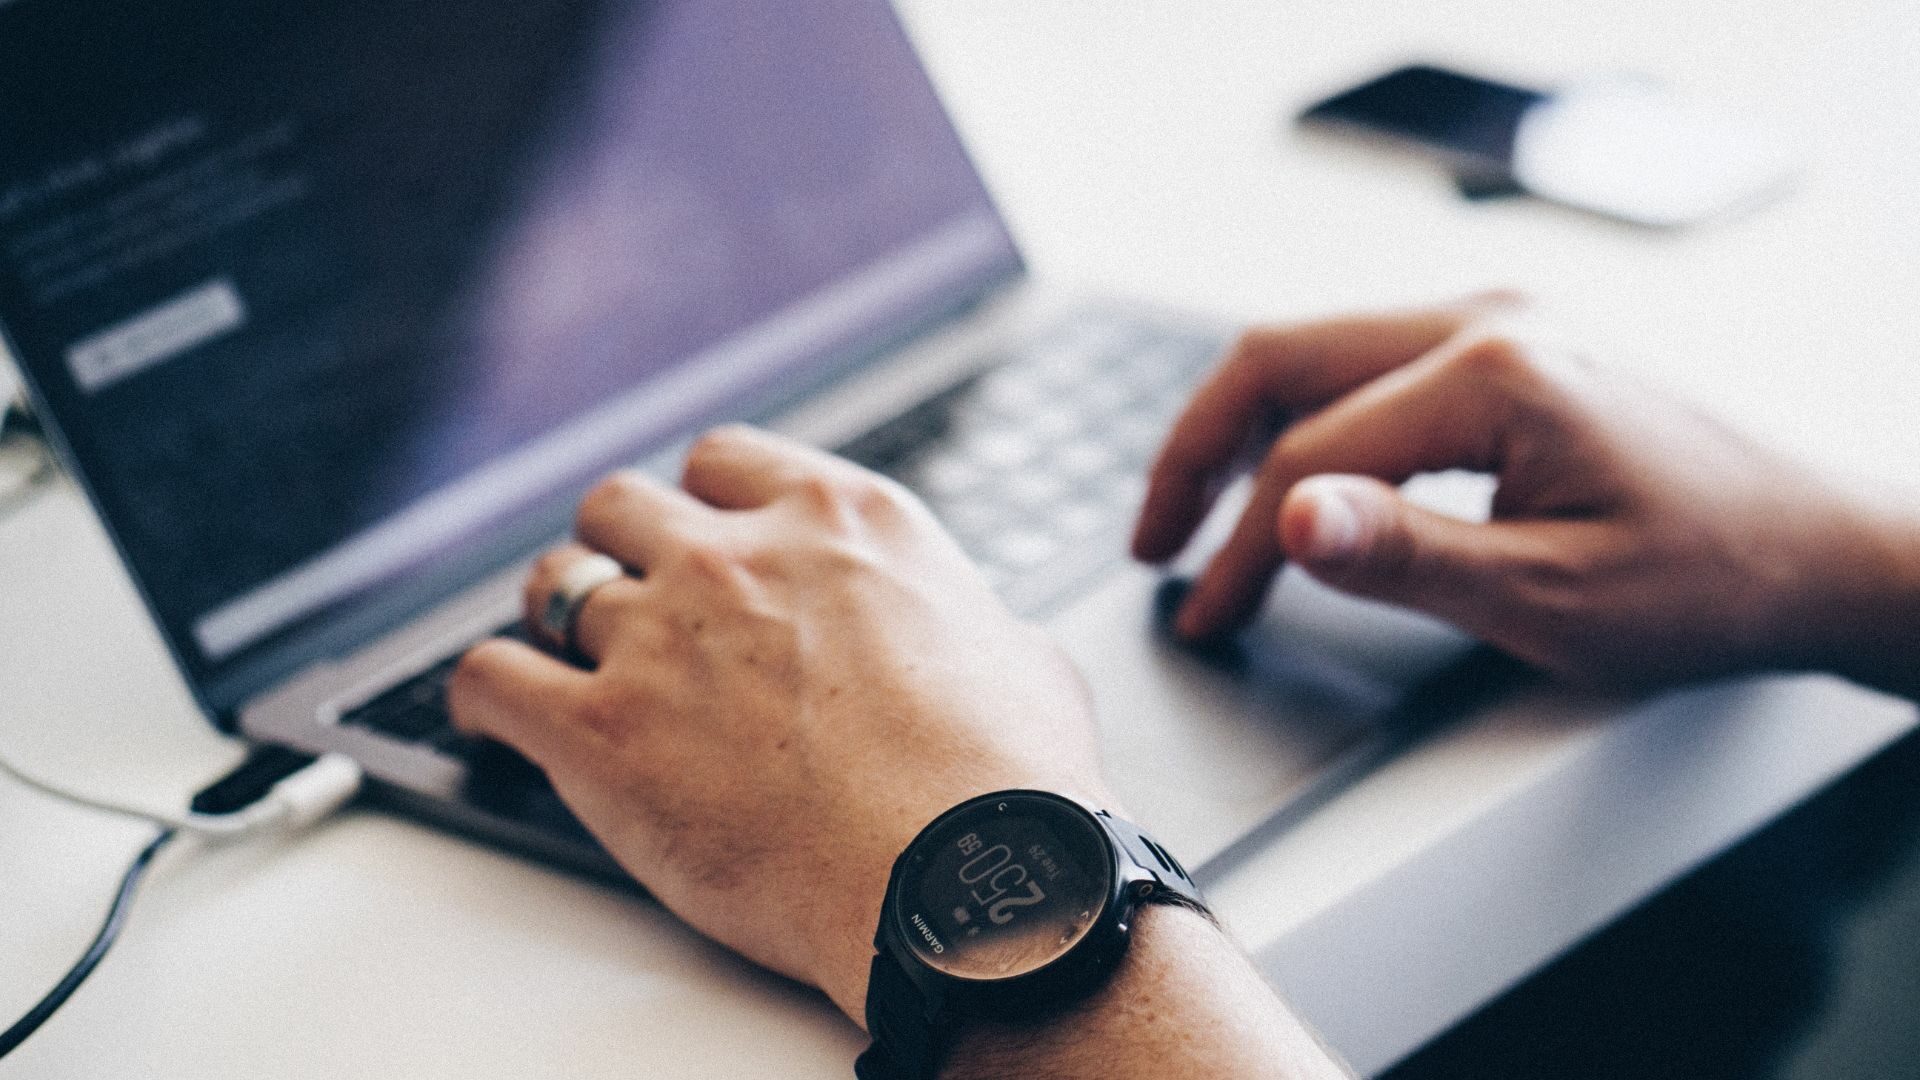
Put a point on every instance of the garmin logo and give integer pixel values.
(933, 939)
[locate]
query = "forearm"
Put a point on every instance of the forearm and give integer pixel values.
(1184, 1002)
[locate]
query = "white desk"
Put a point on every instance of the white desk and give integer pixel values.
(1138, 147)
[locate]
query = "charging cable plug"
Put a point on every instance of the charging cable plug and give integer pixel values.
(309, 793)
(315, 792)
(299, 790)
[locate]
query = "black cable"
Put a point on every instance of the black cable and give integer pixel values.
(109, 930)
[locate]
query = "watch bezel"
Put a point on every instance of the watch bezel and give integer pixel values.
(1080, 966)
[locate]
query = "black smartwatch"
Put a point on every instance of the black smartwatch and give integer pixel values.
(1012, 904)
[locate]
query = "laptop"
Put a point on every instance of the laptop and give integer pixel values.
(335, 309)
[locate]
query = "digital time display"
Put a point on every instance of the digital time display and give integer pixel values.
(1004, 888)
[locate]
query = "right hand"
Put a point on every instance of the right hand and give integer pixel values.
(800, 670)
(1632, 539)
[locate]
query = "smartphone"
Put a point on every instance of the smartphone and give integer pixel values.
(1467, 121)
(1622, 147)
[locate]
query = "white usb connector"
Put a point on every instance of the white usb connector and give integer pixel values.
(315, 792)
(302, 799)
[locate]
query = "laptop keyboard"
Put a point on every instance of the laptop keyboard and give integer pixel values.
(415, 710)
(1036, 466)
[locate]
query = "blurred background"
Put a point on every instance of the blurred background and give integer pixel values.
(1795, 956)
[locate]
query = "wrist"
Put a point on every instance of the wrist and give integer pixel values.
(1013, 904)
(1184, 1001)
(844, 935)
(1165, 938)
(843, 944)
(1867, 627)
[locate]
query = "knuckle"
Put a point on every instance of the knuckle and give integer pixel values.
(844, 557)
(550, 565)
(821, 495)
(619, 483)
(624, 483)
(707, 557)
(476, 667)
(1498, 356)
(715, 442)
(881, 500)
(714, 565)
(846, 498)
(611, 491)
(603, 712)
(483, 658)
(1554, 592)
(852, 556)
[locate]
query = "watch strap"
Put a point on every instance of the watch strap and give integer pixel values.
(1173, 884)
(906, 1040)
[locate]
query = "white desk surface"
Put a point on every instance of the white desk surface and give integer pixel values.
(1138, 148)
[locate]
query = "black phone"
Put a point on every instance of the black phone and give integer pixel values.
(1623, 147)
(1468, 121)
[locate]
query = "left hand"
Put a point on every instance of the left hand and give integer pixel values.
(1633, 541)
(800, 673)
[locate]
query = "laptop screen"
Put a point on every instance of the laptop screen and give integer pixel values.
(322, 295)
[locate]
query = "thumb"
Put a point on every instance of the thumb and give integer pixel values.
(1358, 535)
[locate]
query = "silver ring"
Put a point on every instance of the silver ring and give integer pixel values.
(576, 584)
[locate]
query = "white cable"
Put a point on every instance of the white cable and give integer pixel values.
(295, 802)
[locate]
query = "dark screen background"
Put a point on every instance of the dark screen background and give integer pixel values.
(454, 226)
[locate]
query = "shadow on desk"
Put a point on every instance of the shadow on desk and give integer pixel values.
(1795, 955)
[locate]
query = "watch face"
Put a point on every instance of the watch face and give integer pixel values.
(1004, 887)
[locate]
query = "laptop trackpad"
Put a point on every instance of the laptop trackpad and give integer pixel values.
(1203, 745)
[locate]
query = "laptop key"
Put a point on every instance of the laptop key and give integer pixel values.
(415, 709)
(1037, 466)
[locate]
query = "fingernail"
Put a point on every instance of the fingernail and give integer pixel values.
(1338, 529)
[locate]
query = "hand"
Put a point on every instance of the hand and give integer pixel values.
(801, 672)
(1632, 539)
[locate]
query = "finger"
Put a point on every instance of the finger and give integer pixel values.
(1268, 373)
(737, 467)
(638, 520)
(1359, 535)
(595, 619)
(1448, 410)
(514, 693)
